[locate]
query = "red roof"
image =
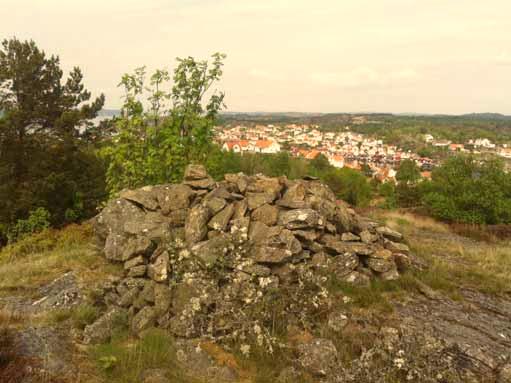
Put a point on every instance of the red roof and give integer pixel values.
(263, 144)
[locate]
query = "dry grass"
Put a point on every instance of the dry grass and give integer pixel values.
(39, 259)
(454, 261)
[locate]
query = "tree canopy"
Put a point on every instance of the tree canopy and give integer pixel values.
(163, 127)
(44, 156)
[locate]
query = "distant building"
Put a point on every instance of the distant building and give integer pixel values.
(457, 147)
(267, 146)
(336, 161)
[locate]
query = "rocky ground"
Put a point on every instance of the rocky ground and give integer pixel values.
(283, 307)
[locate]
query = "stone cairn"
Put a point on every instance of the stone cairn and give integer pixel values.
(218, 260)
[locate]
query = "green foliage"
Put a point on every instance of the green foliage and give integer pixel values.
(388, 191)
(408, 172)
(349, 185)
(466, 190)
(107, 363)
(153, 146)
(46, 157)
(319, 165)
(47, 240)
(37, 221)
(407, 190)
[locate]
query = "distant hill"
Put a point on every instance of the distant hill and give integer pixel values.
(487, 116)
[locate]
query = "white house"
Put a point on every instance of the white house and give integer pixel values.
(267, 146)
(336, 161)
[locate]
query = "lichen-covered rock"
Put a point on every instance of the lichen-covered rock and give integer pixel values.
(255, 200)
(504, 375)
(221, 219)
(318, 357)
(389, 233)
(158, 271)
(101, 330)
(196, 228)
(144, 319)
(301, 219)
(119, 247)
(267, 214)
(144, 196)
(174, 197)
(397, 247)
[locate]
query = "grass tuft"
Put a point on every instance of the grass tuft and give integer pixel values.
(123, 359)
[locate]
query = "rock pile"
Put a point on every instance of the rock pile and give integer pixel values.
(225, 260)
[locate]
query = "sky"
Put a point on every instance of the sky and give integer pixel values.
(398, 56)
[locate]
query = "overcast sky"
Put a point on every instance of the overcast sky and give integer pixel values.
(428, 56)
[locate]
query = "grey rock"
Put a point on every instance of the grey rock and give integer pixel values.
(144, 196)
(267, 214)
(101, 330)
(147, 292)
(215, 204)
(122, 248)
(343, 219)
(144, 319)
(174, 197)
(162, 298)
(318, 357)
(389, 233)
(294, 197)
(301, 219)
(367, 237)
(196, 224)
(137, 261)
(381, 261)
(158, 271)
(137, 271)
(258, 232)
(349, 237)
(262, 184)
(280, 245)
(128, 297)
(154, 225)
(195, 172)
(206, 183)
(255, 200)
(221, 219)
(306, 235)
(240, 209)
(504, 375)
(112, 218)
(397, 247)
(211, 250)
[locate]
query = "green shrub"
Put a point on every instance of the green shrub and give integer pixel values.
(37, 221)
(84, 315)
(467, 190)
(48, 240)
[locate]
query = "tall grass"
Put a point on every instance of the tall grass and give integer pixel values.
(123, 360)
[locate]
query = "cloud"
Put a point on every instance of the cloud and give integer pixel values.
(364, 77)
(265, 75)
(504, 58)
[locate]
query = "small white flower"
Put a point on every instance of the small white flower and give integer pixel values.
(245, 349)
(399, 362)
